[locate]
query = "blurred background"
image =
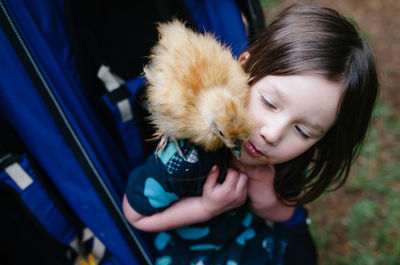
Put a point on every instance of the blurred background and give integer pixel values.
(360, 222)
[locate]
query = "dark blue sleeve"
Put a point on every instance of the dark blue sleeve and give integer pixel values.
(166, 177)
(148, 191)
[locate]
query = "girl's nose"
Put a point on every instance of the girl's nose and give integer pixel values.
(272, 133)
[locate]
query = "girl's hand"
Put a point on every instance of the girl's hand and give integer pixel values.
(221, 197)
(262, 197)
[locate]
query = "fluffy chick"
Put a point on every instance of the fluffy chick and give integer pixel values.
(197, 90)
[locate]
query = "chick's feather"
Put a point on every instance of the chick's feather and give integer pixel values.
(196, 89)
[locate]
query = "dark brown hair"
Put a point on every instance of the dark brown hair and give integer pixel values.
(306, 38)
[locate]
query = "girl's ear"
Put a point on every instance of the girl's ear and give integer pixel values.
(243, 57)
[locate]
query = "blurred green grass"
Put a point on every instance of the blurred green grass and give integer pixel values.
(268, 3)
(369, 225)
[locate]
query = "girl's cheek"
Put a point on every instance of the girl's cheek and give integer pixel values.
(259, 117)
(291, 152)
(284, 157)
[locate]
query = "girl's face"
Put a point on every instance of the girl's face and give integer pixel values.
(291, 113)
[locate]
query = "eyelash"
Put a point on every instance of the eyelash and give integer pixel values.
(267, 103)
(304, 135)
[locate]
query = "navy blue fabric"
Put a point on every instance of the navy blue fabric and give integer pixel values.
(165, 178)
(41, 205)
(298, 217)
(43, 30)
(223, 18)
(128, 130)
(172, 173)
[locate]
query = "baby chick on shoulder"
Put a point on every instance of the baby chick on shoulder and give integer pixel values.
(197, 90)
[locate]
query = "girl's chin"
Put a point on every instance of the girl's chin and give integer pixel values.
(248, 159)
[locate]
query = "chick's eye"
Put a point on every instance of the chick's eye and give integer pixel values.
(301, 132)
(267, 103)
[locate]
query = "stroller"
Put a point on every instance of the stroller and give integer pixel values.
(73, 124)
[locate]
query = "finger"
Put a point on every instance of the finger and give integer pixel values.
(231, 178)
(212, 177)
(242, 182)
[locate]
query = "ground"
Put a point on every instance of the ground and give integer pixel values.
(359, 223)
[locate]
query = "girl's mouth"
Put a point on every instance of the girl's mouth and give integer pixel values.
(252, 150)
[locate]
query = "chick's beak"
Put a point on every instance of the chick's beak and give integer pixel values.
(237, 149)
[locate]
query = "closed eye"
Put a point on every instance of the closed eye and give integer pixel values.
(301, 132)
(267, 103)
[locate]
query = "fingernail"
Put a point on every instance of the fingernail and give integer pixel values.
(214, 168)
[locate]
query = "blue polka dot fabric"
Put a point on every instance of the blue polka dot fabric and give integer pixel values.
(234, 237)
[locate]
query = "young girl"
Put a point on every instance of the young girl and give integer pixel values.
(313, 87)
